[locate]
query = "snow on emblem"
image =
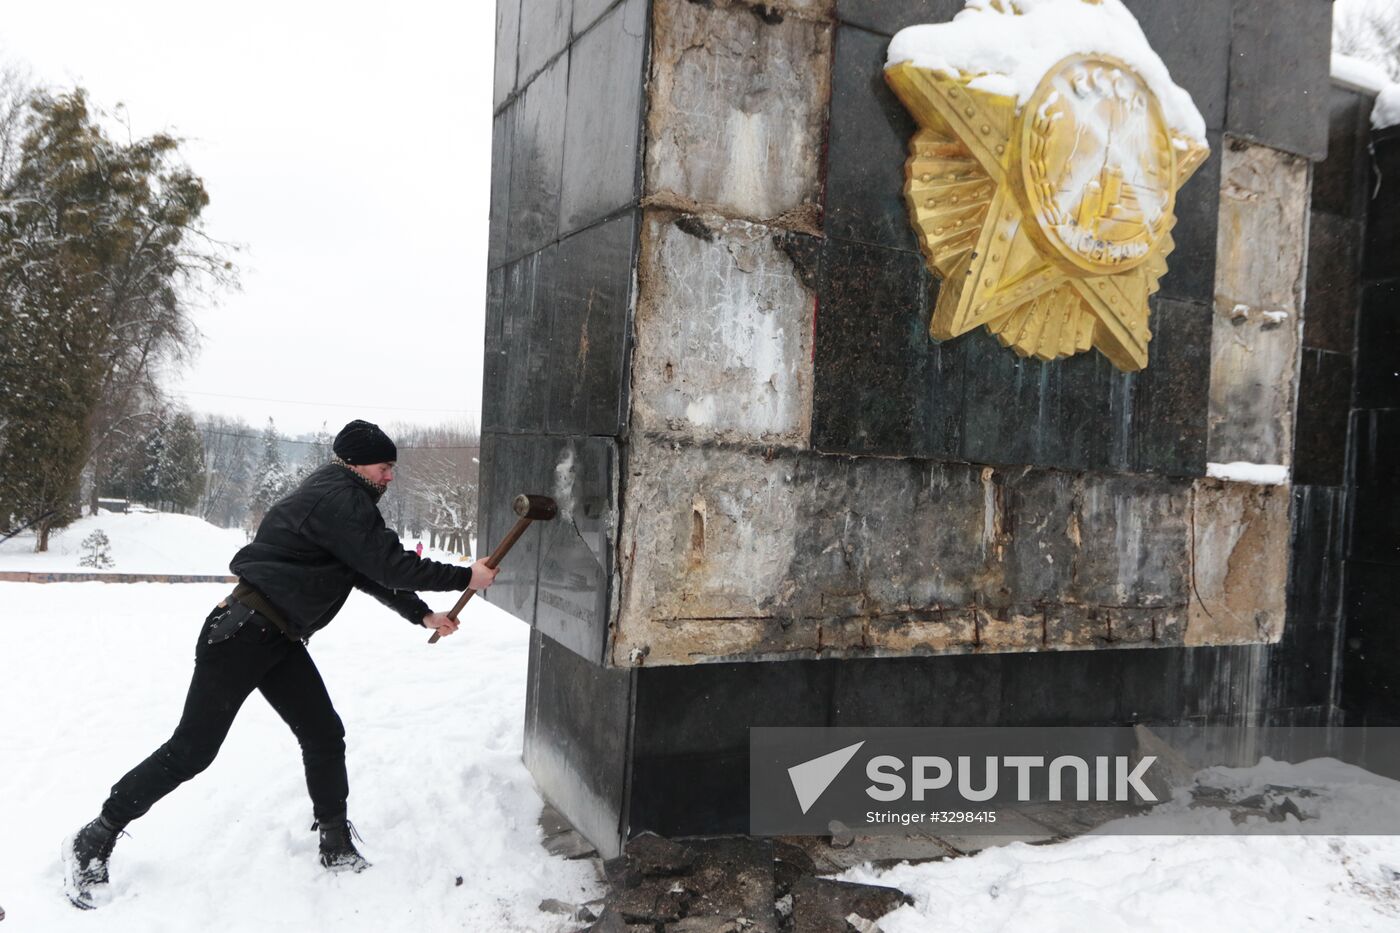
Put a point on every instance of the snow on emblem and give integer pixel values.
(1044, 196)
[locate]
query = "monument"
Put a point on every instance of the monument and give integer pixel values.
(881, 391)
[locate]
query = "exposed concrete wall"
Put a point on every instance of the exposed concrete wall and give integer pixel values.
(723, 333)
(737, 105)
(733, 552)
(1239, 563)
(1257, 331)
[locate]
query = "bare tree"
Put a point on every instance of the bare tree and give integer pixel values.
(435, 490)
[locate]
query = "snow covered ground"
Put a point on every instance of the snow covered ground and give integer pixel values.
(141, 542)
(1168, 883)
(92, 677)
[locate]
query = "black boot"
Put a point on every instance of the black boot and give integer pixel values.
(85, 856)
(338, 853)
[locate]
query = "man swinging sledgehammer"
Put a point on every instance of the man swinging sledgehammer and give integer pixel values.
(311, 548)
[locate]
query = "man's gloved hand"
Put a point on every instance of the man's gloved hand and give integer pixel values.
(440, 623)
(482, 575)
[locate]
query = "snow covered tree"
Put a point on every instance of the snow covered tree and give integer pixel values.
(318, 453)
(100, 243)
(1369, 31)
(271, 481)
(95, 551)
(180, 466)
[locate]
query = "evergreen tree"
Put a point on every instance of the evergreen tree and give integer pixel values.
(148, 488)
(180, 467)
(318, 453)
(99, 241)
(271, 480)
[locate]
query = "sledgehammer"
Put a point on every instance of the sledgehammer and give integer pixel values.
(530, 509)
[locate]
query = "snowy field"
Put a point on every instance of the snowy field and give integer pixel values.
(93, 678)
(143, 542)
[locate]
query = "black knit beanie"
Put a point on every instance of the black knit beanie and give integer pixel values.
(360, 442)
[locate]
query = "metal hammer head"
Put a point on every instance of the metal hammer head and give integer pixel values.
(535, 508)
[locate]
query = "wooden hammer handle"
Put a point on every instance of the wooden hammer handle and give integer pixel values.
(502, 549)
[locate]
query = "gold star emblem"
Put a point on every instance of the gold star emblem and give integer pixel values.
(1050, 226)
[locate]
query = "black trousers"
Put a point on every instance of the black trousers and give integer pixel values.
(255, 656)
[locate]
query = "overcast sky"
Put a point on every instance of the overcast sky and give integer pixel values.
(347, 147)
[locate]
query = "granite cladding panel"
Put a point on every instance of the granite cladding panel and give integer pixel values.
(1168, 417)
(507, 43)
(1375, 527)
(576, 549)
(497, 245)
(544, 32)
(1375, 448)
(526, 341)
(1370, 688)
(1333, 282)
(1382, 251)
(1320, 435)
(1283, 107)
(707, 709)
(1193, 40)
(690, 795)
(871, 351)
(1191, 265)
(586, 13)
(868, 142)
(888, 17)
(537, 158)
(883, 386)
(1378, 346)
(576, 729)
(1319, 546)
(512, 464)
(601, 171)
(1022, 410)
(494, 357)
(1302, 669)
(1341, 181)
(588, 350)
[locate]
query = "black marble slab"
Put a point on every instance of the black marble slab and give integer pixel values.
(1324, 406)
(544, 32)
(1378, 346)
(602, 137)
(507, 45)
(587, 371)
(1333, 294)
(577, 548)
(537, 159)
(867, 144)
(1280, 74)
(1341, 182)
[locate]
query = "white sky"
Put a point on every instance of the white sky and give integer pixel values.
(347, 146)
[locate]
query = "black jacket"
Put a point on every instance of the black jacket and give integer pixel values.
(327, 536)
